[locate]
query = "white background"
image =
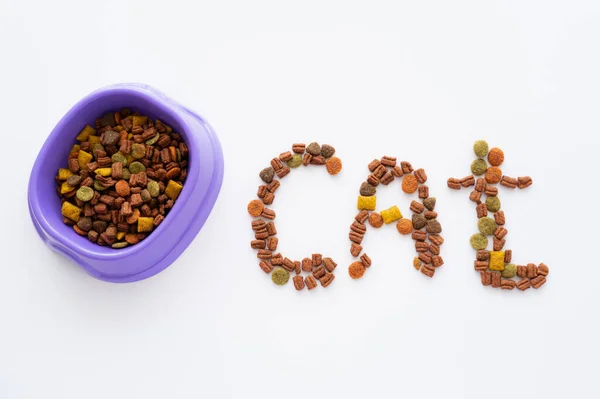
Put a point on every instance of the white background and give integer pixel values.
(418, 80)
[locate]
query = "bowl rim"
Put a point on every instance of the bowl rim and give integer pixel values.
(72, 248)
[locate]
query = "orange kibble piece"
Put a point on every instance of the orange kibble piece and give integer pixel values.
(333, 165)
(404, 226)
(122, 188)
(356, 270)
(409, 184)
(496, 157)
(255, 208)
(375, 220)
(493, 174)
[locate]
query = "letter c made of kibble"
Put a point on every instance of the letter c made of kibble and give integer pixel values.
(317, 267)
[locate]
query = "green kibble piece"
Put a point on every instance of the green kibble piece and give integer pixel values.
(138, 151)
(479, 241)
(481, 148)
(126, 174)
(487, 226)
(118, 245)
(153, 188)
(85, 193)
(280, 276)
(153, 140)
(478, 167)
(295, 161)
(492, 204)
(178, 154)
(118, 157)
(98, 186)
(137, 167)
(97, 147)
(509, 271)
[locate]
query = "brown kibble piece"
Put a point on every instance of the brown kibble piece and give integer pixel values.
(310, 282)
(375, 220)
(522, 271)
(506, 284)
(499, 218)
(538, 281)
(420, 175)
(482, 254)
(373, 180)
(542, 270)
(467, 181)
(509, 182)
(297, 266)
(454, 183)
(423, 192)
(387, 178)
(298, 283)
(362, 216)
(365, 260)
(427, 270)
(508, 256)
(531, 270)
(355, 249)
(319, 272)
(523, 284)
(327, 279)
(486, 277)
(298, 148)
(329, 264)
(498, 244)
(307, 264)
(496, 278)
(419, 235)
(317, 259)
(481, 210)
(417, 207)
(425, 257)
(481, 265)
(266, 266)
(475, 196)
(388, 161)
(524, 182)
(406, 167)
(480, 185)
(374, 164)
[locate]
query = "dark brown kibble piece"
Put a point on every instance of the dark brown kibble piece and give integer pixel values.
(506, 284)
(454, 184)
(420, 175)
(499, 218)
(317, 259)
(374, 164)
(310, 282)
(496, 278)
(327, 279)
(524, 182)
(468, 181)
(433, 227)
(538, 281)
(298, 283)
(419, 221)
(427, 270)
(298, 148)
(429, 203)
(365, 260)
(542, 270)
(367, 190)
(267, 174)
(486, 278)
(416, 207)
(307, 264)
(361, 216)
(373, 180)
(313, 149)
(387, 178)
(419, 235)
(327, 151)
(509, 182)
(523, 284)
(481, 265)
(266, 266)
(531, 270)
(481, 210)
(329, 264)
(355, 249)
(319, 272)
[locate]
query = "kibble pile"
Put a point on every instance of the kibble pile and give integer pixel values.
(317, 267)
(495, 266)
(422, 226)
(122, 178)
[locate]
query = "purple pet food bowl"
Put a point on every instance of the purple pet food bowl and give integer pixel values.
(184, 221)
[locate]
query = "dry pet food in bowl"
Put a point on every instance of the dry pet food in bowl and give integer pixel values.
(128, 204)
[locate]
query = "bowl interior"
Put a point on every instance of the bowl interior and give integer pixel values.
(55, 153)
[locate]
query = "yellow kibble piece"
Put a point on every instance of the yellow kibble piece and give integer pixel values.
(391, 215)
(173, 189)
(118, 128)
(75, 149)
(94, 140)
(139, 120)
(70, 211)
(497, 260)
(145, 224)
(129, 136)
(86, 133)
(103, 171)
(84, 158)
(65, 188)
(368, 203)
(130, 159)
(120, 235)
(64, 174)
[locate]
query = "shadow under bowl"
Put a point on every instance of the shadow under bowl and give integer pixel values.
(180, 226)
